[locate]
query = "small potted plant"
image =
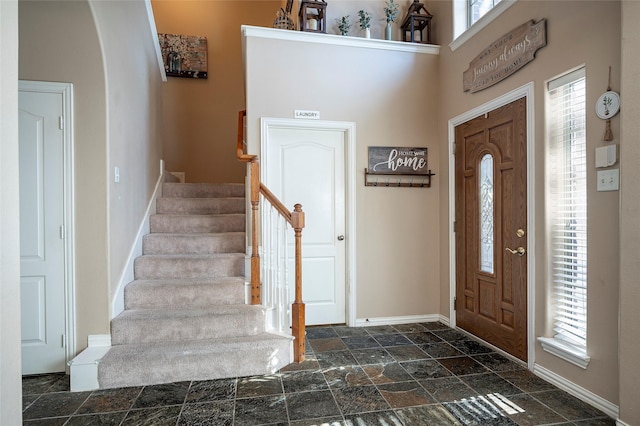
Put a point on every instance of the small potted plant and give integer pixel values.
(365, 22)
(391, 14)
(344, 25)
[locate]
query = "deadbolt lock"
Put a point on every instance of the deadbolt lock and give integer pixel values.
(520, 233)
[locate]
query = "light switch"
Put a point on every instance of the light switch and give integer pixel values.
(116, 174)
(608, 180)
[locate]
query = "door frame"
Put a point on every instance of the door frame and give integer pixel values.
(526, 91)
(68, 202)
(349, 130)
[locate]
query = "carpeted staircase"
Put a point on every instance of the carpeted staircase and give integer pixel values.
(185, 315)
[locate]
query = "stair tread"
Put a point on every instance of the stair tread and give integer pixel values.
(188, 281)
(193, 256)
(216, 345)
(157, 313)
(196, 215)
(195, 235)
(142, 364)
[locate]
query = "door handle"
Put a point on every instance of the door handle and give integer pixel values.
(520, 251)
(340, 237)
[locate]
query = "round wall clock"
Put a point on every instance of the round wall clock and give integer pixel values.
(608, 105)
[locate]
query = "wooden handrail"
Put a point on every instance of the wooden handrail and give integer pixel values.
(296, 220)
(245, 158)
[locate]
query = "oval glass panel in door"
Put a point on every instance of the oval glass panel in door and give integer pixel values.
(486, 214)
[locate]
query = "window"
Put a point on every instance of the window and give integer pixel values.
(476, 9)
(471, 16)
(486, 213)
(568, 217)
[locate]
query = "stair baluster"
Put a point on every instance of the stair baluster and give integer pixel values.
(296, 219)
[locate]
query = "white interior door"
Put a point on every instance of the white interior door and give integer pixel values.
(41, 232)
(307, 166)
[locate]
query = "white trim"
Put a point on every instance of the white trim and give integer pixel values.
(609, 408)
(526, 91)
(408, 319)
(338, 40)
(66, 90)
(117, 303)
(621, 423)
(98, 340)
(349, 129)
(480, 24)
(156, 41)
(565, 351)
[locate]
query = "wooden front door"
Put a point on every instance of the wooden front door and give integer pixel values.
(491, 232)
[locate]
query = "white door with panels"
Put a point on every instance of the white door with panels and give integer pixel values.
(42, 232)
(307, 166)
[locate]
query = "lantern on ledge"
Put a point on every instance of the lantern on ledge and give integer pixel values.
(312, 16)
(417, 20)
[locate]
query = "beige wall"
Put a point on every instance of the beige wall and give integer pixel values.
(571, 42)
(390, 97)
(10, 382)
(369, 80)
(59, 42)
(134, 120)
(629, 214)
(200, 116)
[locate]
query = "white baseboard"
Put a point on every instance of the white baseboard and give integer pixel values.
(117, 304)
(621, 423)
(579, 392)
(83, 369)
(99, 340)
(370, 322)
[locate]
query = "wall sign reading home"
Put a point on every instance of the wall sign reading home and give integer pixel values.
(183, 55)
(398, 160)
(397, 167)
(505, 56)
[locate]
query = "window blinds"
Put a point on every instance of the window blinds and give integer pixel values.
(569, 208)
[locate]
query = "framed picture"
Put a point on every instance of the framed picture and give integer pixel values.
(184, 55)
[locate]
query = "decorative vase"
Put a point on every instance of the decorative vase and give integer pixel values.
(367, 33)
(387, 31)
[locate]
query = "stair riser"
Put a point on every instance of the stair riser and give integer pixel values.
(156, 267)
(195, 223)
(193, 244)
(126, 331)
(232, 362)
(194, 190)
(179, 296)
(200, 205)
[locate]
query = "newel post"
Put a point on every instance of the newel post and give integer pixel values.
(297, 309)
(255, 255)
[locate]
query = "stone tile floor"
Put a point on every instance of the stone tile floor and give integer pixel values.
(410, 374)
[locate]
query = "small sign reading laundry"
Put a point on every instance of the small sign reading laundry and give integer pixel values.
(505, 56)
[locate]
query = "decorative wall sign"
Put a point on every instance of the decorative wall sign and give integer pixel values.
(184, 56)
(505, 56)
(397, 160)
(409, 163)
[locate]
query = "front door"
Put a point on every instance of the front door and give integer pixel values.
(491, 233)
(307, 166)
(42, 262)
